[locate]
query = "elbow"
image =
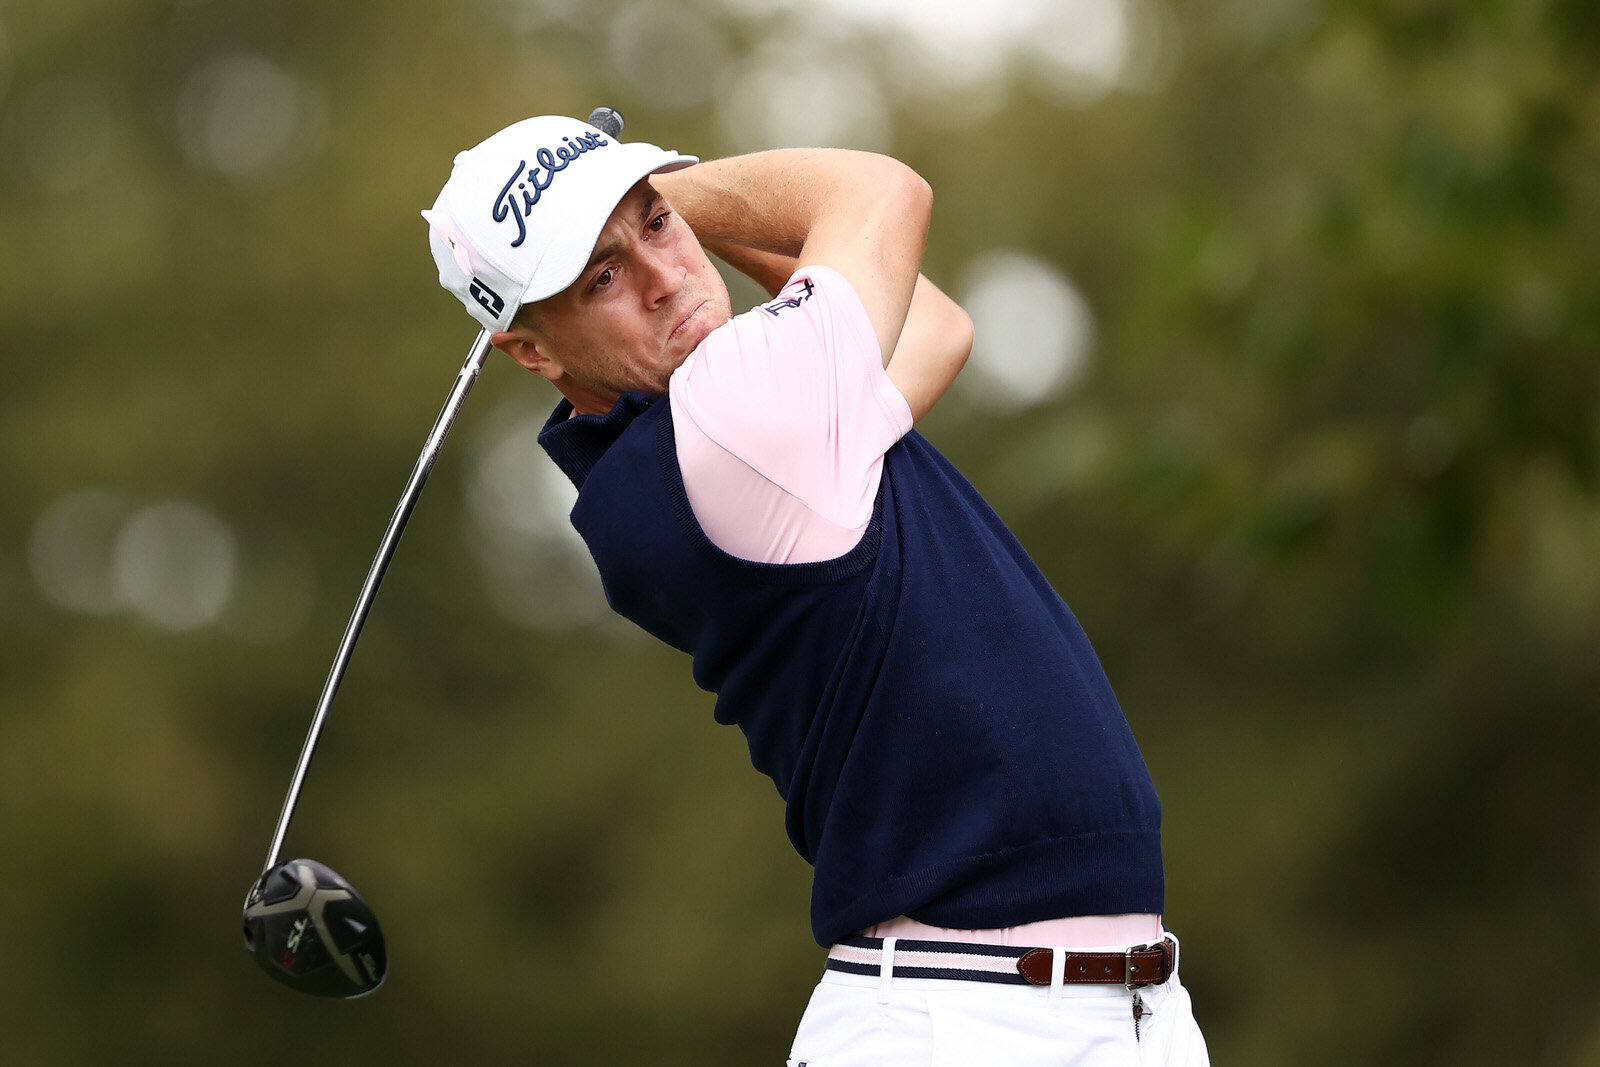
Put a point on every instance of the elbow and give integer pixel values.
(915, 193)
(951, 355)
(955, 337)
(909, 192)
(932, 351)
(918, 188)
(961, 337)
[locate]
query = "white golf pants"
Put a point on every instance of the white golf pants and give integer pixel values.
(873, 1021)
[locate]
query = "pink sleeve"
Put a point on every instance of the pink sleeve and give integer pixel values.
(782, 418)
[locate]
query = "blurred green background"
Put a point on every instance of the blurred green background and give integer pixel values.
(1286, 374)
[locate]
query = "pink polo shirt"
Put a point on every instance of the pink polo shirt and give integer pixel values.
(782, 418)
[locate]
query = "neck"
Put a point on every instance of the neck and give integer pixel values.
(586, 401)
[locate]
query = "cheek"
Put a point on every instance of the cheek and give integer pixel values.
(687, 251)
(609, 330)
(699, 267)
(718, 291)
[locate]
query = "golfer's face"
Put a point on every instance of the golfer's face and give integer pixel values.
(647, 298)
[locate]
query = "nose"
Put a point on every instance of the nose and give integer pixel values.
(664, 277)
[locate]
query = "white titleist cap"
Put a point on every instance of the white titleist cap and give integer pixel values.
(521, 213)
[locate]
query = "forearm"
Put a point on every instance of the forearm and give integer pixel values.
(770, 270)
(933, 347)
(773, 201)
(864, 215)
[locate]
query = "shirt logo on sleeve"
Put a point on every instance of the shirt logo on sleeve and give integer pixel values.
(791, 302)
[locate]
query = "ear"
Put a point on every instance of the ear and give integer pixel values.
(526, 351)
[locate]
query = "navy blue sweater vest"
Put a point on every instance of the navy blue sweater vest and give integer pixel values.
(944, 737)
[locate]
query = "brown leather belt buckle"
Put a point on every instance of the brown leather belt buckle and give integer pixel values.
(1162, 964)
(1134, 968)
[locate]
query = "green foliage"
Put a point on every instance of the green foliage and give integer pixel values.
(1327, 504)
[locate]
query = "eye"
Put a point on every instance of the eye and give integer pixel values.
(604, 278)
(659, 223)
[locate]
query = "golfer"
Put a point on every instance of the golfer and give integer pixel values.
(984, 834)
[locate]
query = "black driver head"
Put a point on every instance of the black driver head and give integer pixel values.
(310, 929)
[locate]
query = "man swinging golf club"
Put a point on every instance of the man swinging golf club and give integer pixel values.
(984, 834)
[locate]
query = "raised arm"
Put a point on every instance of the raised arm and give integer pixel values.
(932, 347)
(864, 215)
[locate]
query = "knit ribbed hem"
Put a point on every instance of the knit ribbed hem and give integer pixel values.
(1112, 873)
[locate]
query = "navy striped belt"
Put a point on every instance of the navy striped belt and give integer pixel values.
(1141, 965)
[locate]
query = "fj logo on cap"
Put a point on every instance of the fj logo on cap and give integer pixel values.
(531, 182)
(492, 301)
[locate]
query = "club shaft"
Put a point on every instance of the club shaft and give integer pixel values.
(391, 537)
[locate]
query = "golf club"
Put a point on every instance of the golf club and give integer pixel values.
(307, 926)
(607, 120)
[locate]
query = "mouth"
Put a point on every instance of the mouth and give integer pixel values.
(682, 328)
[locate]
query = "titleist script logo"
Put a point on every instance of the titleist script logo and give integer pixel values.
(531, 182)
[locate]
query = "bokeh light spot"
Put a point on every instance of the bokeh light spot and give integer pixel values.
(797, 96)
(174, 564)
(70, 551)
(250, 119)
(1078, 50)
(1033, 330)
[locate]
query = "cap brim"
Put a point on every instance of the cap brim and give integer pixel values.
(571, 246)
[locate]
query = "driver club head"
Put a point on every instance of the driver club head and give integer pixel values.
(310, 929)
